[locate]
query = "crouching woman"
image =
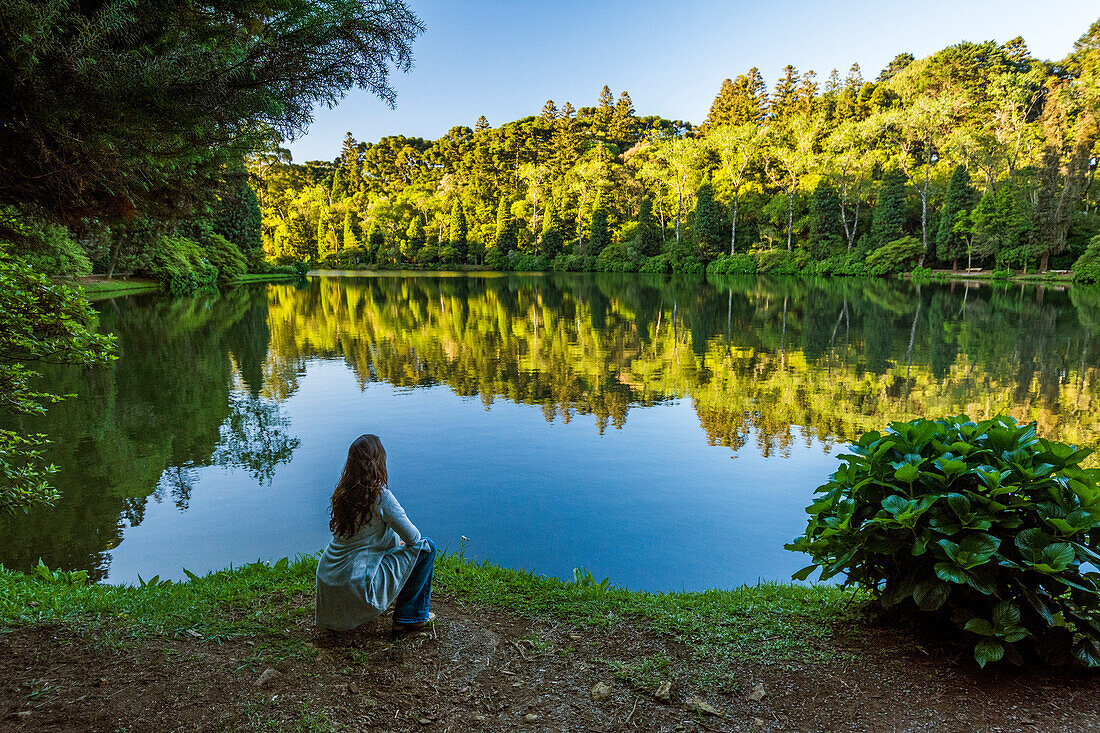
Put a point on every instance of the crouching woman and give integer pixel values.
(376, 556)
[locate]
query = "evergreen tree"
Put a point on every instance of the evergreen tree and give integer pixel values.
(604, 113)
(709, 235)
(998, 223)
(960, 196)
(647, 237)
(507, 238)
(549, 111)
(622, 121)
(414, 239)
(900, 62)
(826, 229)
(786, 93)
(599, 236)
(481, 125)
(889, 217)
(238, 219)
(339, 186)
(551, 241)
(353, 233)
(721, 109)
(457, 230)
(376, 243)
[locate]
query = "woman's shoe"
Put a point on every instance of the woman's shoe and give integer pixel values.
(400, 629)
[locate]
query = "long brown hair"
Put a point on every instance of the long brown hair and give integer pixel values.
(362, 482)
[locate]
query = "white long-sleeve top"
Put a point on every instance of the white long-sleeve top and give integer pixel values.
(358, 577)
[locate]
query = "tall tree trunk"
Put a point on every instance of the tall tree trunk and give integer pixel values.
(679, 208)
(114, 257)
(790, 217)
(924, 203)
(733, 227)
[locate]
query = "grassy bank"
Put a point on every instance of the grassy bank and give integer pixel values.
(100, 287)
(767, 622)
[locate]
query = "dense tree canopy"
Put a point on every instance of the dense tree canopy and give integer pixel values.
(826, 171)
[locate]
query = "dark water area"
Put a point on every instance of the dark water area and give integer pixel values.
(664, 433)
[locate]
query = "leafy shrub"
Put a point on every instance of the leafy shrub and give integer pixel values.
(180, 264)
(739, 264)
(1004, 274)
(777, 262)
(568, 263)
(690, 265)
(845, 265)
(658, 264)
(448, 255)
(495, 259)
(922, 274)
(893, 257)
(527, 262)
(225, 256)
(980, 523)
(50, 250)
(1087, 267)
(615, 257)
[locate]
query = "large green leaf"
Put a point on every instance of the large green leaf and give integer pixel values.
(988, 650)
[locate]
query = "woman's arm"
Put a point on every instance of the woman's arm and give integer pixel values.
(394, 517)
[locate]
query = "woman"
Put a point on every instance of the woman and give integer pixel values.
(376, 556)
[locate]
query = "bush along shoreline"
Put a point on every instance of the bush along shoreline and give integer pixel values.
(982, 526)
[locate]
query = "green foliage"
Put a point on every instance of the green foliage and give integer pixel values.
(739, 264)
(616, 257)
(826, 228)
(181, 264)
(983, 524)
(849, 264)
(1004, 274)
(115, 108)
(889, 218)
(225, 256)
(49, 249)
(709, 235)
(777, 262)
(456, 232)
(506, 236)
(552, 240)
(39, 321)
(894, 257)
(647, 235)
(960, 197)
(599, 235)
(658, 264)
(237, 217)
(1087, 267)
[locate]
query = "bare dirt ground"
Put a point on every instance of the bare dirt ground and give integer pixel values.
(483, 670)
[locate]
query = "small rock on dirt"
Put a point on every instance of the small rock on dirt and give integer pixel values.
(353, 688)
(758, 722)
(425, 721)
(757, 693)
(531, 718)
(268, 675)
(664, 691)
(699, 706)
(601, 691)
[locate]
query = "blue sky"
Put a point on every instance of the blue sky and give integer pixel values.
(505, 59)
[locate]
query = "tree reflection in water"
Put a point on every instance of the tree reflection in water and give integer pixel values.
(765, 362)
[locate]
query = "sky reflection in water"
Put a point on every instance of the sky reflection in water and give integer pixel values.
(667, 435)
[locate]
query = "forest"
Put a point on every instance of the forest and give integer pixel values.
(979, 155)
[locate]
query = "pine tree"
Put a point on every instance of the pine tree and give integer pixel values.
(708, 223)
(414, 239)
(721, 109)
(457, 230)
(238, 218)
(599, 236)
(647, 237)
(481, 125)
(551, 241)
(888, 221)
(960, 196)
(549, 111)
(604, 112)
(339, 186)
(622, 121)
(900, 62)
(507, 238)
(376, 242)
(326, 244)
(786, 93)
(826, 229)
(352, 231)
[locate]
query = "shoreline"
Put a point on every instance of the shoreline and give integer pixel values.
(512, 650)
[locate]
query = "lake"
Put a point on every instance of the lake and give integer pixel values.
(666, 434)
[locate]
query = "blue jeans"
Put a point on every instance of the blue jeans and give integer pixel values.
(412, 602)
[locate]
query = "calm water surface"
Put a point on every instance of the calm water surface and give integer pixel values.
(666, 434)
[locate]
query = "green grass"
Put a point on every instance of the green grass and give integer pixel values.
(766, 623)
(258, 277)
(101, 288)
